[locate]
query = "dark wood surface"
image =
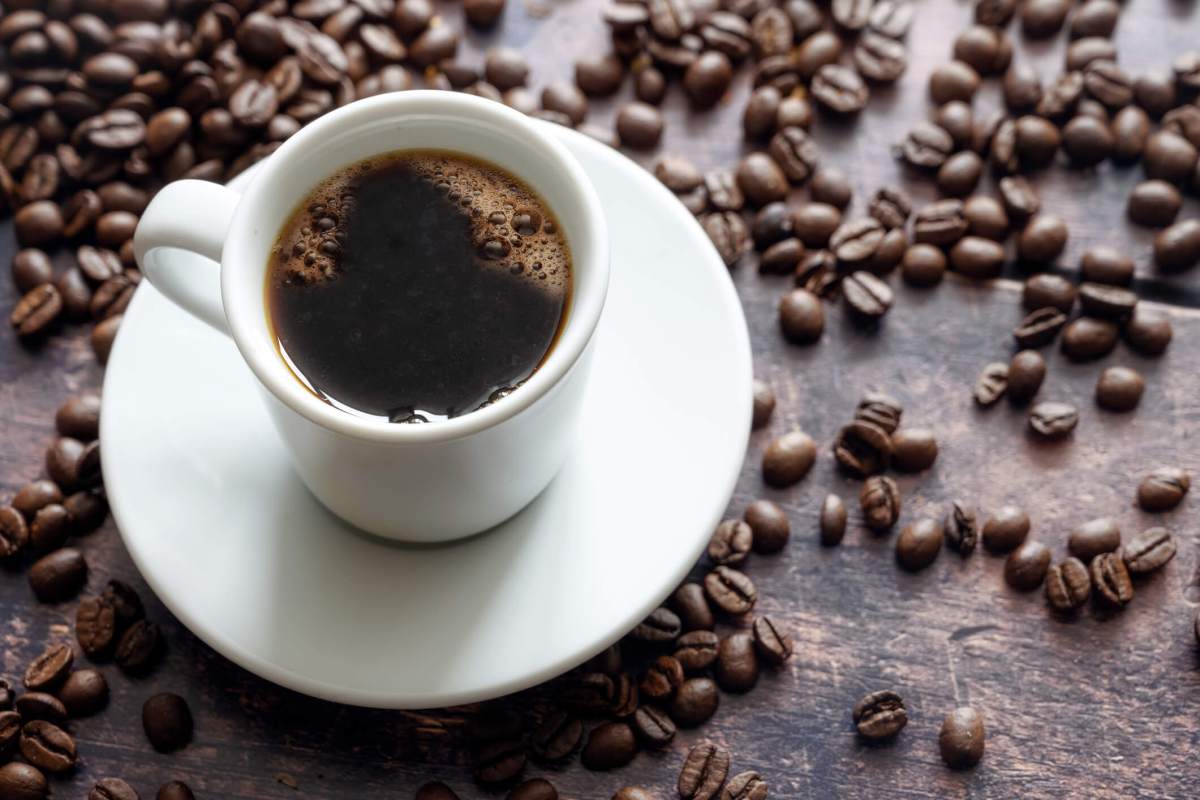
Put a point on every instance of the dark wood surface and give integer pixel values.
(1104, 706)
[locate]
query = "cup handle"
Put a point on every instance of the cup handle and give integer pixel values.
(191, 216)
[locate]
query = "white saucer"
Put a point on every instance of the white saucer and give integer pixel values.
(231, 541)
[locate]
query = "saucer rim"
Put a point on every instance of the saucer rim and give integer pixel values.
(346, 694)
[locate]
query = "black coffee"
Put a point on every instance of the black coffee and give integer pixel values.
(417, 286)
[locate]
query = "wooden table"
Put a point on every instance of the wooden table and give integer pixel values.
(1102, 706)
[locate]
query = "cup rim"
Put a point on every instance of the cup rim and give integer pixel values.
(589, 288)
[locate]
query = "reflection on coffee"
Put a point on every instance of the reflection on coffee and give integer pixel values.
(417, 286)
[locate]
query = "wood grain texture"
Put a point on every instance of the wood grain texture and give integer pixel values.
(1100, 706)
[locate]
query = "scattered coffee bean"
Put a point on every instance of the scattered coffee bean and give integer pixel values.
(764, 404)
(941, 223)
(737, 663)
(816, 222)
(880, 501)
(1167, 156)
(48, 747)
(1119, 389)
(556, 736)
(434, 790)
(138, 647)
(1177, 247)
(689, 603)
(773, 642)
(914, 449)
(728, 233)
(1103, 264)
(707, 78)
(862, 448)
(1148, 332)
(696, 650)
(639, 125)
(49, 669)
(923, 265)
(1154, 203)
(1053, 420)
(58, 576)
(500, 762)
(881, 410)
(986, 49)
(167, 721)
(730, 591)
(977, 257)
(79, 417)
(867, 296)
(769, 525)
(953, 80)
(960, 528)
(23, 782)
(632, 793)
(1163, 489)
(1110, 579)
(1042, 240)
(14, 532)
(918, 544)
(961, 739)
(39, 705)
(703, 773)
(37, 311)
(661, 627)
(992, 384)
(832, 520)
(1067, 585)
(534, 789)
(788, 459)
(1020, 199)
(696, 700)
(1088, 338)
(801, 317)
(1026, 372)
(960, 174)
(609, 746)
(879, 715)
(1148, 551)
(1131, 129)
(1087, 141)
(830, 185)
(839, 89)
(1106, 301)
(84, 692)
(1093, 538)
(927, 146)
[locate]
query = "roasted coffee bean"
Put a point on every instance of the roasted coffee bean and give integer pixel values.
(1087, 338)
(795, 153)
(631, 793)
(1177, 247)
(957, 119)
(1005, 529)
(853, 15)
(1119, 389)
(728, 233)
(31, 268)
(1106, 301)
(138, 647)
(500, 762)
(891, 18)
(941, 223)
(22, 782)
(434, 790)
(819, 50)
(880, 409)
(832, 520)
(730, 543)
(1022, 88)
(1043, 18)
(1108, 83)
(1035, 141)
(1093, 538)
(50, 528)
(1095, 18)
(729, 590)
(862, 448)
(650, 85)
(661, 627)
(764, 404)
(14, 532)
(879, 715)
(696, 650)
(724, 192)
(992, 383)
(1149, 550)
(927, 146)
(97, 264)
(1026, 371)
(10, 729)
(47, 747)
(953, 80)
(771, 32)
(590, 694)
(1067, 585)
(167, 721)
(704, 771)
(1170, 157)
(961, 738)
(880, 501)
(35, 495)
(761, 179)
(960, 173)
(639, 125)
(609, 746)
(1154, 203)
(840, 89)
(39, 705)
(747, 785)
(49, 669)
(880, 58)
(1042, 240)
(816, 222)
(788, 458)
(769, 524)
(782, 257)
(1051, 291)
(772, 641)
(737, 663)
(58, 575)
(654, 727)
(556, 736)
(84, 692)
(125, 602)
(856, 241)
(96, 627)
(62, 461)
(1185, 121)
(831, 185)
(79, 417)
(707, 78)
(960, 529)
(918, 544)
(689, 603)
(677, 174)
(914, 449)
(1021, 201)
(1148, 332)
(87, 510)
(1087, 141)
(891, 206)
(1053, 420)
(1059, 101)
(1155, 92)
(1084, 51)
(1103, 264)
(1131, 129)
(1163, 489)
(37, 311)
(866, 295)
(977, 257)
(794, 112)
(1186, 67)
(1026, 566)
(599, 75)
(758, 118)
(818, 273)
(662, 677)
(923, 265)
(1110, 579)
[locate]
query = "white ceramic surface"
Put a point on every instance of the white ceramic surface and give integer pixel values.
(226, 535)
(418, 483)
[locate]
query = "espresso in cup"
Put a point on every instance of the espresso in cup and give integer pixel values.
(418, 286)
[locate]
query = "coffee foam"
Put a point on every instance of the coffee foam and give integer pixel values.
(509, 225)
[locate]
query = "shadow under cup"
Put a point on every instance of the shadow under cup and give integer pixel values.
(449, 478)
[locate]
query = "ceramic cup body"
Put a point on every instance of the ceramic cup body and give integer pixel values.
(421, 483)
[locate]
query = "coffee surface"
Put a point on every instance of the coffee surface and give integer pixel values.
(417, 286)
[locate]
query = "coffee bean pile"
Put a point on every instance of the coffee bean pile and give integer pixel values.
(37, 527)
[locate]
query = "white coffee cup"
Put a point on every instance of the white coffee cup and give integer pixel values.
(420, 483)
